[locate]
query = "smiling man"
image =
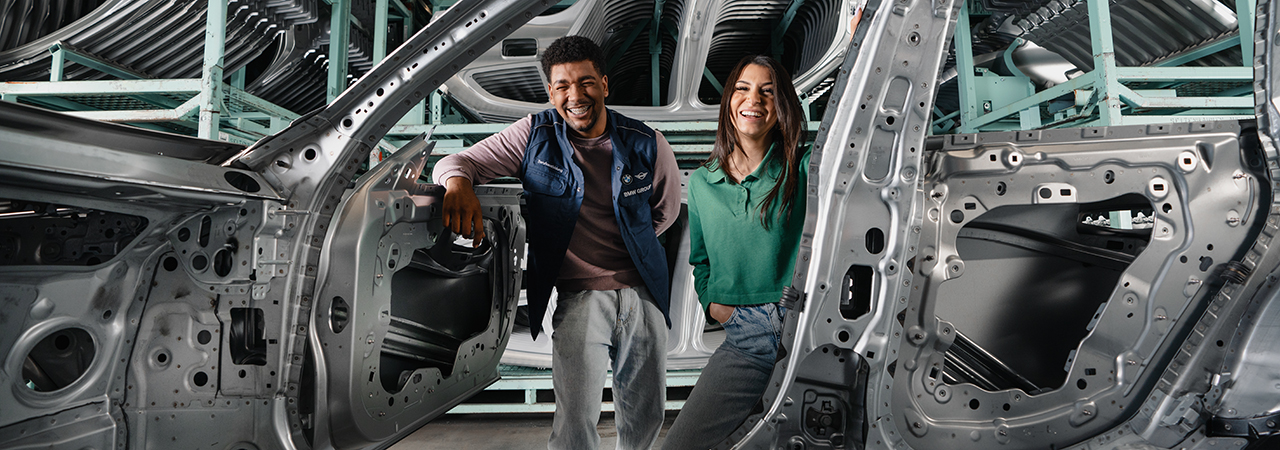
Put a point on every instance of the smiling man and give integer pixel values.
(600, 187)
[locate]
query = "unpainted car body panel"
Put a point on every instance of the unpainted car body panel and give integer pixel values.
(99, 308)
(402, 309)
(255, 303)
(204, 326)
(889, 219)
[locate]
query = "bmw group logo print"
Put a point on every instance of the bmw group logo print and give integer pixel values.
(626, 178)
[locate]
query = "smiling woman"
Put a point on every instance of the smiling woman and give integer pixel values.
(743, 253)
(762, 109)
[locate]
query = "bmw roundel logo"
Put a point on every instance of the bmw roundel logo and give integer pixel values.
(626, 178)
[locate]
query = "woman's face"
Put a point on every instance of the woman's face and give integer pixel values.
(752, 104)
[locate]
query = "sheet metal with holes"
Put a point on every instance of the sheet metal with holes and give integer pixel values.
(902, 298)
(312, 162)
(1251, 392)
(993, 278)
(868, 160)
(410, 321)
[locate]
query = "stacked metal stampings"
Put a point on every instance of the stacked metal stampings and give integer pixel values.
(298, 73)
(1145, 31)
(295, 78)
(810, 35)
(298, 11)
(36, 18)
(630, 79)
(592, 21)
(695, 37)
(158, 39)
(360, 42)
(521, 83)
(612, 24)
(722, 31)
(821, 90)
(742, 28)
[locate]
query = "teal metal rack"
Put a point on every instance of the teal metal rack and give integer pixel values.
(205, 107)
(529, 383)
(1102, 96)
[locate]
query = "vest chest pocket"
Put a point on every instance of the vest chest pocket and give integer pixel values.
(635, 194)
(541, 178)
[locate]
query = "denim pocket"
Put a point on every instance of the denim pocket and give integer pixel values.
(733, 316)
(753, 329)
(563, 305)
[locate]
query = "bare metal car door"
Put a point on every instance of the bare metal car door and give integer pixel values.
(409, 322)
(1095, 287)
(131, 291)
(168, 292)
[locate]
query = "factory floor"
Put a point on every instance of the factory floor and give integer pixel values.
(504, 431)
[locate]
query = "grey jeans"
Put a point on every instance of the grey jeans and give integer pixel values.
(732, 381)
(595, 331)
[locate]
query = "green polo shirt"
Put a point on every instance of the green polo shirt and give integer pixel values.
(735, 260)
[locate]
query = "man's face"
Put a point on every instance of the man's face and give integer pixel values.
(578, 90)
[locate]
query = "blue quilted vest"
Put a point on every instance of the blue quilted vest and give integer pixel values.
(553, 194)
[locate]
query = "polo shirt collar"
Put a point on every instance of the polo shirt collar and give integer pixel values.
(716, 175)
(771, 168)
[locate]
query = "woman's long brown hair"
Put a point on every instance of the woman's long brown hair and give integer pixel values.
(786, 134)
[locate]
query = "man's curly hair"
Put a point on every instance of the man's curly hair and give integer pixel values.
(570, 49)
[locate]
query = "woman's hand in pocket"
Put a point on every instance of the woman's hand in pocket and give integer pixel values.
(721, 313)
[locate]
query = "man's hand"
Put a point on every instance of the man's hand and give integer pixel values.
(462, 210)
(721, 313)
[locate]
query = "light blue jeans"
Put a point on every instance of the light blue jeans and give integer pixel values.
(595, 331)
(732, 381)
